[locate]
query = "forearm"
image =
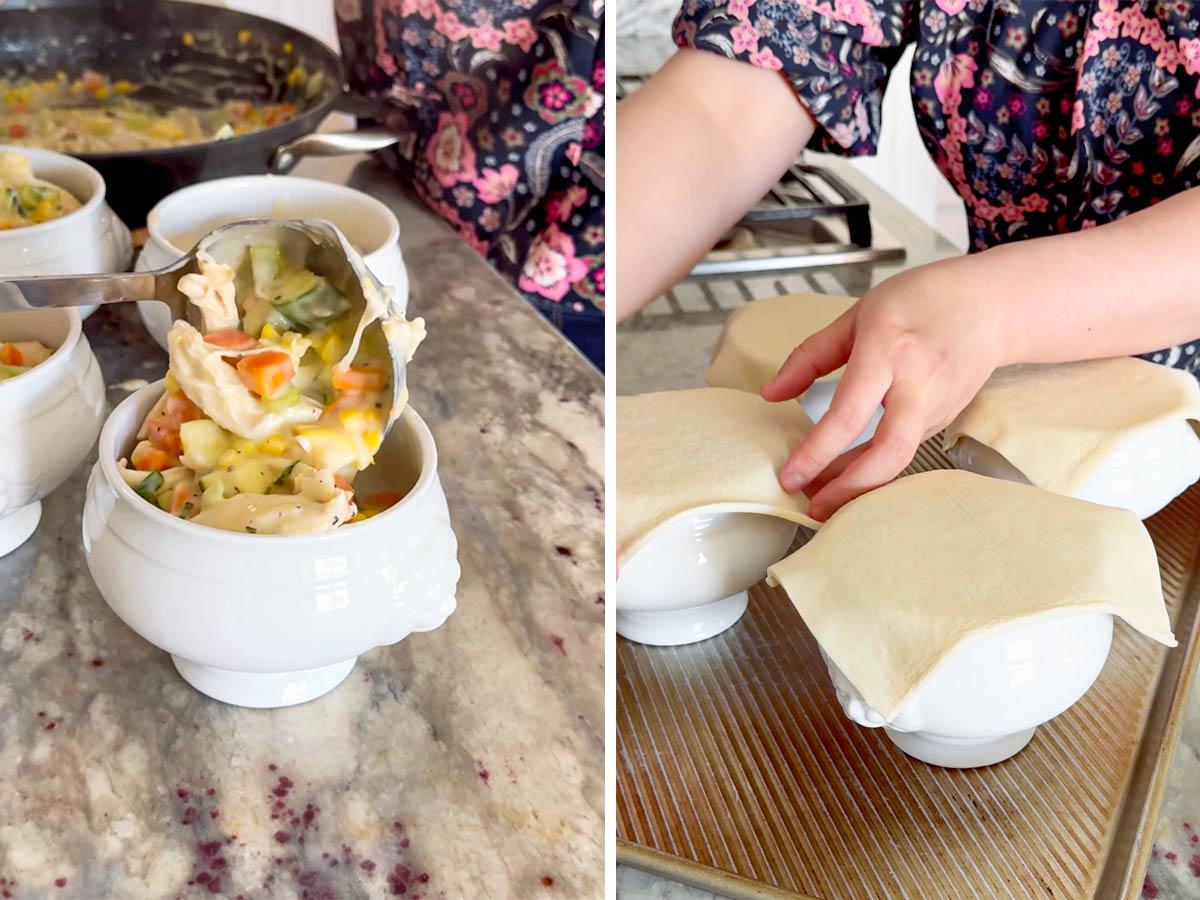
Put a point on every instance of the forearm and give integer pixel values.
(698, 145)
(1128, 287)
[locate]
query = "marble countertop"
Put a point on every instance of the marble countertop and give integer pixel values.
(464, 762)
(663, 349)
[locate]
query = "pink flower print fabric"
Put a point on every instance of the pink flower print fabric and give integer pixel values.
(1046, 117)
(501, 109)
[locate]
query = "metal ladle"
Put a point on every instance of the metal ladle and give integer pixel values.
(320, 244)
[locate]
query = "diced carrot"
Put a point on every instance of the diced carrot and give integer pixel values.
(381, 500)
(183, 409)
(183, 494)
(17, 130)
(11, 356)
(163, 432)
(152, 459)
(92, 80)
(231, 339)
(278, 113)
(358, 380)
(266, 373)
(343, 483)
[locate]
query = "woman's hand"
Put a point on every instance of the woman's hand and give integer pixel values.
(922, 344)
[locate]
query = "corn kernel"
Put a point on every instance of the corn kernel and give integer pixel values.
(122, 86)
(269, 333)
(372, 439)
(188, 39)
(172, 383)
(287, 47)
(273, 446)
(245, 446)
(243, 36)
(101, 93)
(230, 457)
(332, 348)
(294, 77)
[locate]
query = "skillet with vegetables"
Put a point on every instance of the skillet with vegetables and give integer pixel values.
(271, 411)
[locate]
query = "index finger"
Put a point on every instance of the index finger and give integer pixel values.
(854, 402)
(818, 354)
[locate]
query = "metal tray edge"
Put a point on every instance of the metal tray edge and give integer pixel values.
(1127, 858)
(715, 881)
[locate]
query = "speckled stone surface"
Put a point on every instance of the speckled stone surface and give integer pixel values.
(465, 762)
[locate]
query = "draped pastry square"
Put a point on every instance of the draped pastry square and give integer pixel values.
(758, 337)
(899, 578)
(711, 449)
(1057, 424)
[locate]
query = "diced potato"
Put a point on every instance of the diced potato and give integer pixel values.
(204, 444)
(214, 492)
(252, 477)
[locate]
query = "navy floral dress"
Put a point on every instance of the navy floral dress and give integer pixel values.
(501, 108)
(1045, 117)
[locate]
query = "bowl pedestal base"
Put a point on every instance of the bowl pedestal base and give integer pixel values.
(959, 753)
(263, 690)
(673, 627)
(18, 526)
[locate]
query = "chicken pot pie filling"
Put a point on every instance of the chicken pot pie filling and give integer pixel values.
(273, 408)
(19, 357)
(28, 200)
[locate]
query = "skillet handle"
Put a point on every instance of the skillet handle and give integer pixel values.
(337, 143)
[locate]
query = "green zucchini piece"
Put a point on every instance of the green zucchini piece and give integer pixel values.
(265, 262)
(285, 400)
(149, 486)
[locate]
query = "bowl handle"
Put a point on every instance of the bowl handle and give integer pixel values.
(98, 506)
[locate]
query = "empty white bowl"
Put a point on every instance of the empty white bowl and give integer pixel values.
(982, 705)
(88, 241)
(1142, 475)
(819, 396)
(180, 219)
(49, 416)
(269, 620)
(689, 582)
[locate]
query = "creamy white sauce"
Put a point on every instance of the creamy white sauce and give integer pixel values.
(318, 505)
(212, 291)
(214, 386)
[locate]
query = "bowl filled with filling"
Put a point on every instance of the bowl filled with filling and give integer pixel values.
(51, 407)
(54, 219)
(256, 514)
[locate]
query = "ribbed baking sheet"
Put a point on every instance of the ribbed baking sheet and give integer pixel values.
(738, 772)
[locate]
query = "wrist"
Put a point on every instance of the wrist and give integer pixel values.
(983, 300)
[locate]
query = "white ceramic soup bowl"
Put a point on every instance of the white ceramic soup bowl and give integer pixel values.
(819, 396)
(87, 241)
(1142, 475)
(269, 620)
(689, 582)
(982, 705)
(50, 417)
(180, 219)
